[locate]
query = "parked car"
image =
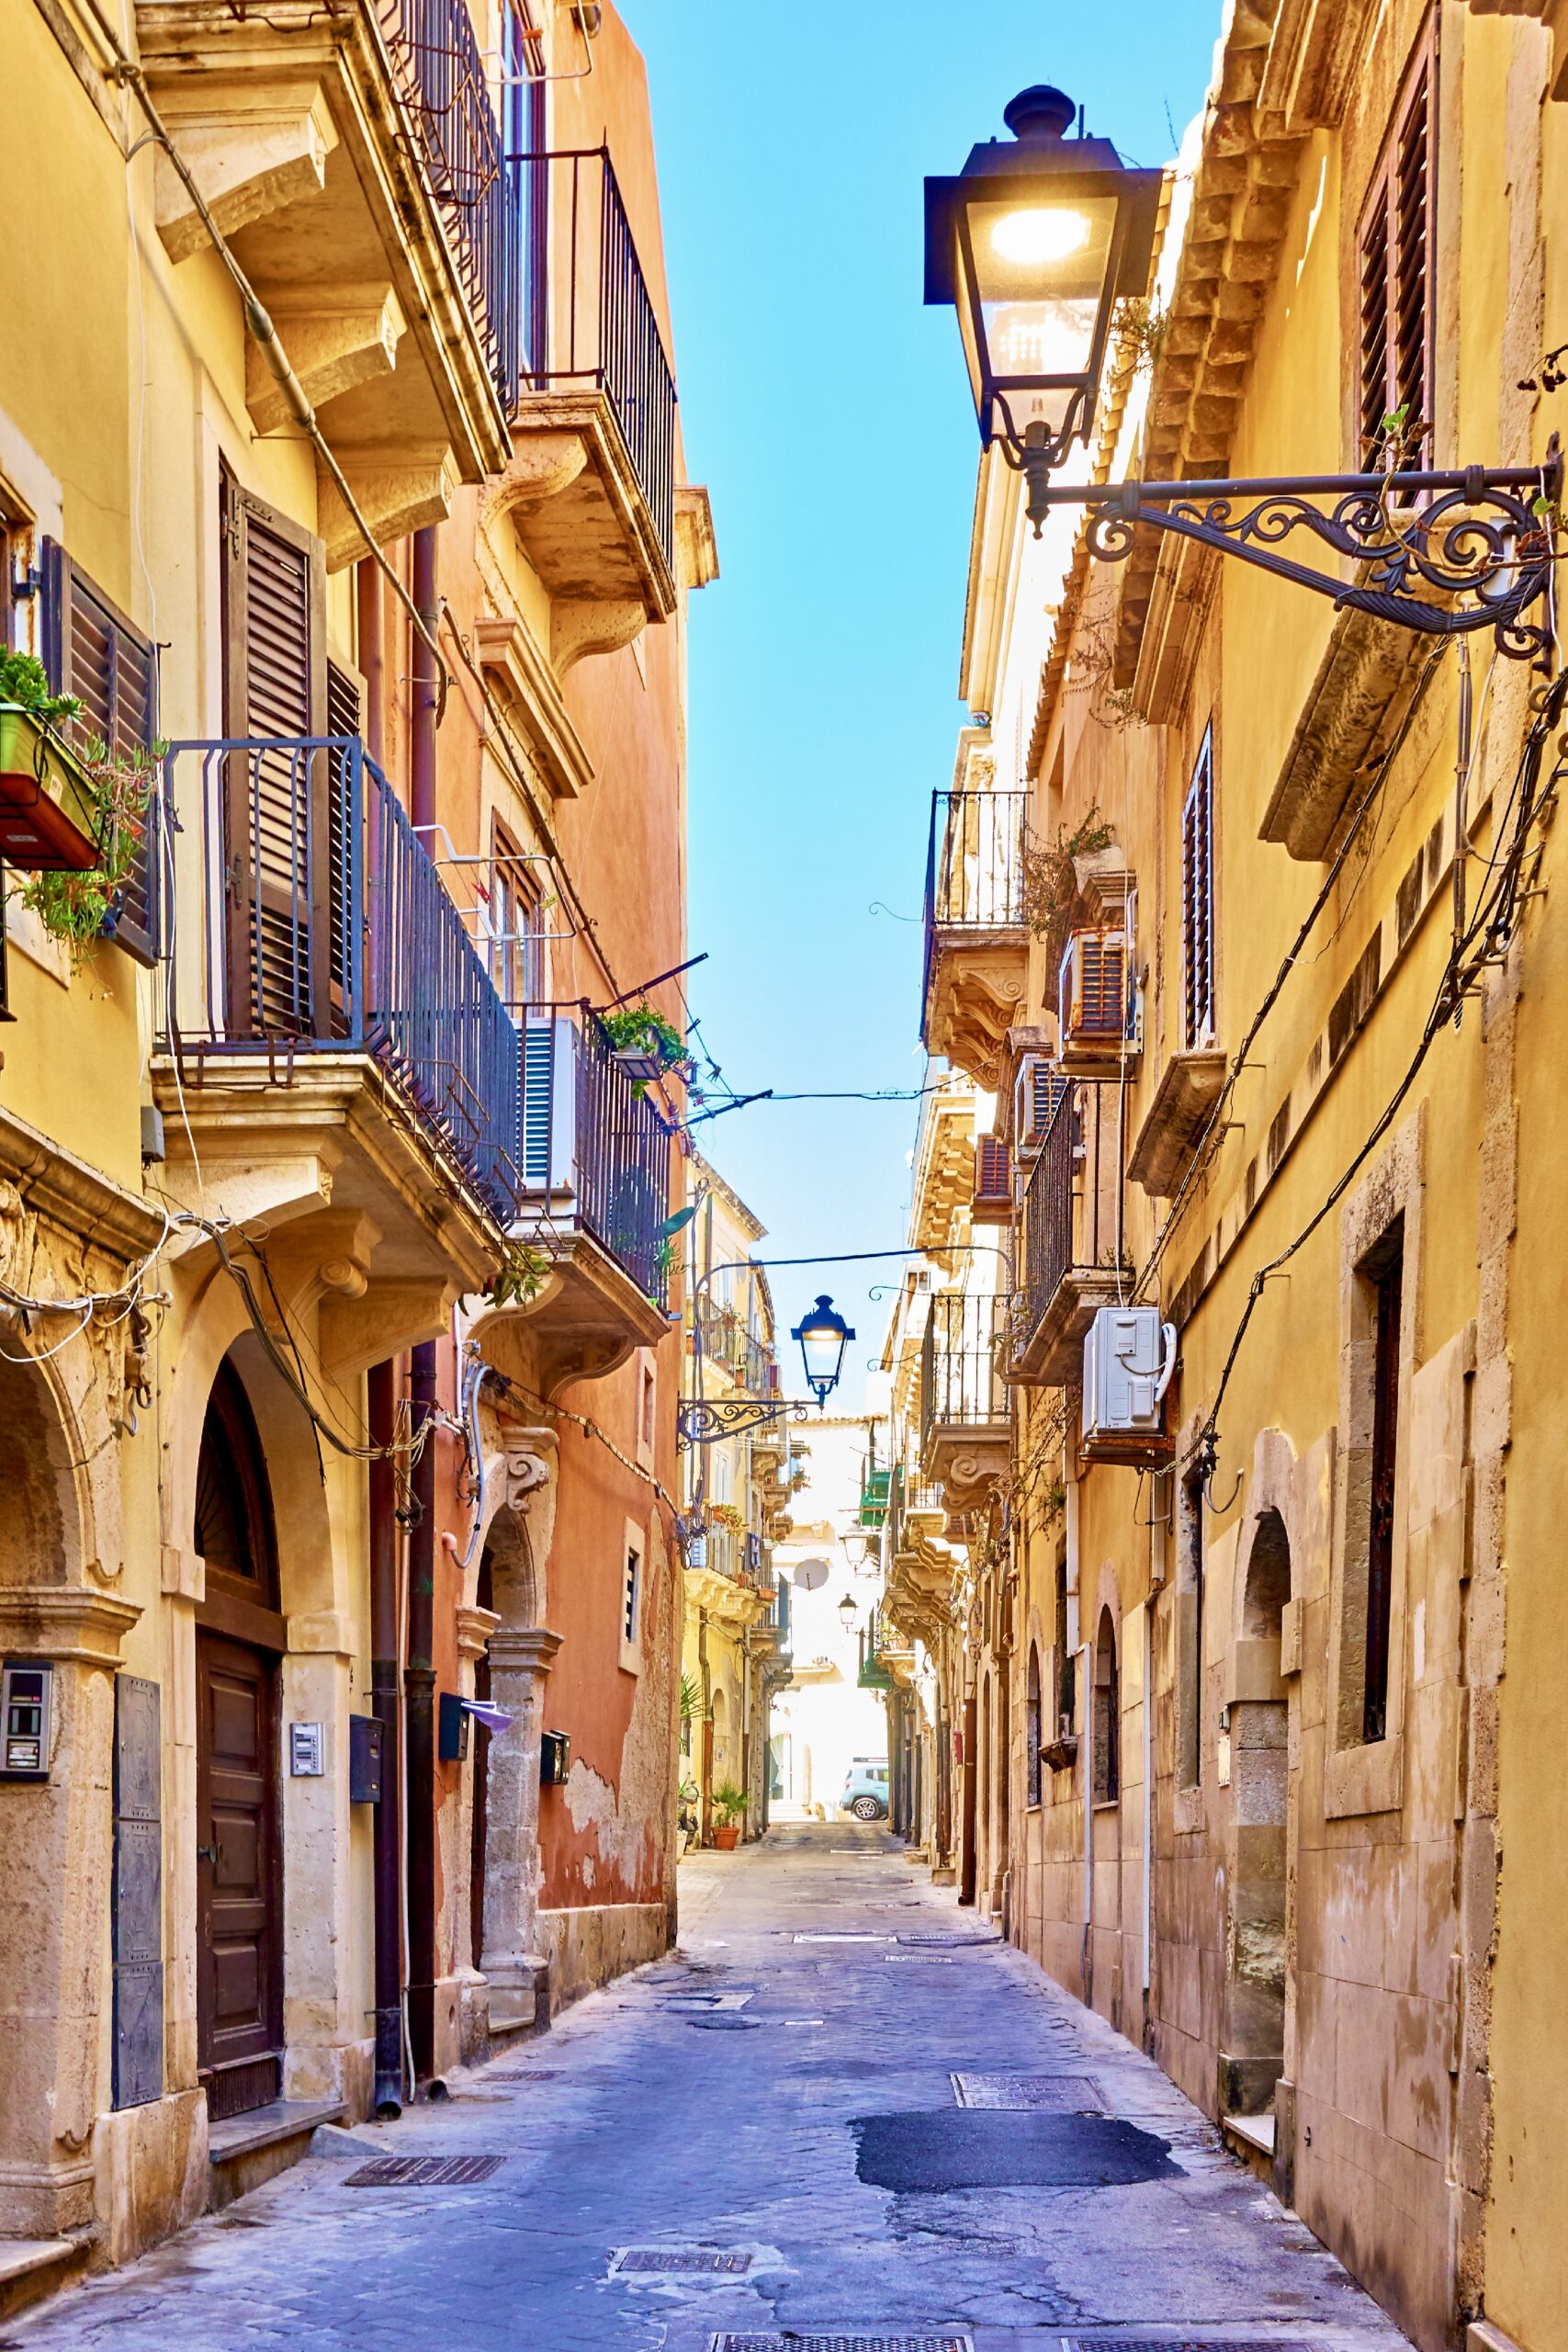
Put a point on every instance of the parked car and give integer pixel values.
(865, 1789)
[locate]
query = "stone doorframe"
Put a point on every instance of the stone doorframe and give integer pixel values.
(1296, 1493)
(521, 1476)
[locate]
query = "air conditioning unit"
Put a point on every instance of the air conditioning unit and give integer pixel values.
(993, 1181)
(1129, 1356)
(1038, 1093)
(1095, 1005)
(547, 1119)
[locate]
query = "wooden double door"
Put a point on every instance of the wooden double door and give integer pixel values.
(239, 1875)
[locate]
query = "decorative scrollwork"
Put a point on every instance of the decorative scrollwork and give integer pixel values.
(701, 1421)
(1440, 553)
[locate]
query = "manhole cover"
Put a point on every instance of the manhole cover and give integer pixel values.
(425, 2172)
(923, 1958)
(954, 1943)
(678, 2261)
(1069, 2094)
(843, 2343)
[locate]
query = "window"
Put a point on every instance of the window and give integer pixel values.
(90, 650)
(1198, 901)
(648, 1395)
(1066, 1691)
(1031, 1727)
(523, 131)
(1394, 252)
(632, 1597)
(517, 925)
(1384, 1274)
(1107, 1714)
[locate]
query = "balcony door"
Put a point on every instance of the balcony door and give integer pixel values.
(277, 813)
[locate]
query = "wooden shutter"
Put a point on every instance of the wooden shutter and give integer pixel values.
(1198, 901)
(1040, 1088)
(993, 1173)
(92, 650)
(1394, 252)
(278, 848)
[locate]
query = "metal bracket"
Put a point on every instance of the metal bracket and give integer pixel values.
(1485, 533)
(701, 1421)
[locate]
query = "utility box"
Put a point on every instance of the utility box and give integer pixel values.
(452, 1729)
(364, 1736)
(1128, 1358)
(555, 1759)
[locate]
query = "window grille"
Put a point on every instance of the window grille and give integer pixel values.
(1198, 901)
(1395, 248)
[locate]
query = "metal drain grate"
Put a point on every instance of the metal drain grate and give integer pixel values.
(425, 2172)
(844, 1936)
(846, 2344)
(1065, 2094)
(1184, 2344)
(667, 2261)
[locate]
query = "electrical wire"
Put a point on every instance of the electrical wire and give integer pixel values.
(1490, 926)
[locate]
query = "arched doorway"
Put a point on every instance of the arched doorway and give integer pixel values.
(239, 1643)
(504, 1837)
(1253, 2057)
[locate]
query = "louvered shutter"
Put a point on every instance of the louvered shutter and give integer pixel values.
(278, 845)
(1040, 1088)
(344, 709)
(538, 1101)
(993, 1172)
(1394, 265)
(1198, 902)
(91, 651)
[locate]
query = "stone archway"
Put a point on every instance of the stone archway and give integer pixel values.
(1253, 2056)
(521, 1648)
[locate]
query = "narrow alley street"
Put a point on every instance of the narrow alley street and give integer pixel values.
(784, 2093)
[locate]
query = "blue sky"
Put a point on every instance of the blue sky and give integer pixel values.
(829, 414)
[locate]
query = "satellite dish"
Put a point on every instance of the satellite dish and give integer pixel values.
(809, 1576)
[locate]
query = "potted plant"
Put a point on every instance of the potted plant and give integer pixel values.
(644, 1043)
(729, 1810)
(688, 1799)
(45, 785)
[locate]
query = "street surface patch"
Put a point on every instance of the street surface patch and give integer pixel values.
(425, 2172)
(843, 2343)
(666, 2261)
(845, 1936)
(971, 2148)
(1183, 2344)
(1061, 2094)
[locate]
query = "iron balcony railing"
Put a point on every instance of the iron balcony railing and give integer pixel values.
(317, 922)
(961, 1381)
(727, 1343)
(975, 878)
(595, 1155)
(1072, 1201)
(588, 318)
(441, 76)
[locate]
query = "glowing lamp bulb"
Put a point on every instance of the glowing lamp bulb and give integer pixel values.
(1039, 235)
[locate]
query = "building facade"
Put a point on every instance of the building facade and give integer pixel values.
(1253, 1702)
(340, 456)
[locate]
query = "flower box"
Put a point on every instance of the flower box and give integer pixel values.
(640, 1064)
(46, 801)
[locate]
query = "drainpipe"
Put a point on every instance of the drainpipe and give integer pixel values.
(426, 691)
(384, 1707)
(373, 656)
(419, 1686)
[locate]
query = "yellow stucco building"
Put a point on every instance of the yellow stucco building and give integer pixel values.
(1256, 1711)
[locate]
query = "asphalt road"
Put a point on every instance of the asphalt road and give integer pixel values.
(779, 2096)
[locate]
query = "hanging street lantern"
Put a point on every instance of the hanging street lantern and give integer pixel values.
(848, 1613)
(1035, 244)
(823, 1335)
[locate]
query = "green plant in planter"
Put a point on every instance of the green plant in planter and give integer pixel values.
(728, 1515)
(522, 1271)
(24, 681)
(642, 1028)
(76, 907)
(729, 1805)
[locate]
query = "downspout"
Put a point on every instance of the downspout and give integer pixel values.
(426, 682)
(419, 1685)
(387, 1910)
(1148, 1799)
(1077, 1639)
(372, 657)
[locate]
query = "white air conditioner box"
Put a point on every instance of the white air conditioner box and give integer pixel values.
(1129, 1356)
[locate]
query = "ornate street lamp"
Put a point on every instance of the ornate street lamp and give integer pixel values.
(823, 1335)
(848, 1613)
(1034, 244)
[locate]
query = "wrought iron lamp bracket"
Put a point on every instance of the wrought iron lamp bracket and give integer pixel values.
(1443, 553)
(703, 1420)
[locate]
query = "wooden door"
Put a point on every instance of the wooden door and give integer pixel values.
(239, 1973)
(276, 814)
